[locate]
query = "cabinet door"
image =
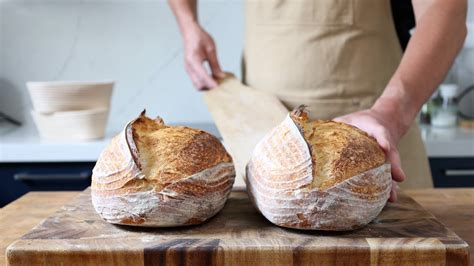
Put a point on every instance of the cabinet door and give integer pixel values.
(20, 178)
(452, 172)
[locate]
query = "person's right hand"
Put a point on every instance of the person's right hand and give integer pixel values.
(199, 47)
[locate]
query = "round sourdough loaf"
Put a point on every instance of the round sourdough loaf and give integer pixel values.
(157, 175)
(320, 175)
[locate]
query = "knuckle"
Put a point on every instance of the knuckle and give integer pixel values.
(210, 49)
(188, 59)
(394, 153)
(191, 56)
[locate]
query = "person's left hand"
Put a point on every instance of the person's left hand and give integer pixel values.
(376, 125)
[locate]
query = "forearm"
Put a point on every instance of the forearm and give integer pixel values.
(185, 12)
(439, 36)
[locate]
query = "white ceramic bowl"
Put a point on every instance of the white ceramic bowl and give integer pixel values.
(72, 125)
(56, 96)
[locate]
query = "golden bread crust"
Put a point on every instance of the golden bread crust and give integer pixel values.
(319, 175)
(338, 150)
(170, 153)
(152, 174)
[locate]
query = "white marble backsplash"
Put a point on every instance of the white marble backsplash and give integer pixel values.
(135, 42)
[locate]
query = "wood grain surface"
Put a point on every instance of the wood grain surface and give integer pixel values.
(454, 207)
(75, 235)
(24, 213)
(243, 116)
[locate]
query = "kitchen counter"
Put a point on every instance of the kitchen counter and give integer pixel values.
(450, 142)
(23, 144)
(454, 207)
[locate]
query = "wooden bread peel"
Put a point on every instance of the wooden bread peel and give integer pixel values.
(243, 116)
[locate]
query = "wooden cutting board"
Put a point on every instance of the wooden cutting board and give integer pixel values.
(404, 233)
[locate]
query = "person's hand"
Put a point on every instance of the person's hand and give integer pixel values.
(199, 48)
(379, 127)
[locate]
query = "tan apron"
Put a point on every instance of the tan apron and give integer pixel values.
(335, 56)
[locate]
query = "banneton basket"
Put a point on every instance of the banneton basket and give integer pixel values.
(58, 96)
(72, 125)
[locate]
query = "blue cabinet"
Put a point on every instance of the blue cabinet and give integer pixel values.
(20, 178)
(452, 172)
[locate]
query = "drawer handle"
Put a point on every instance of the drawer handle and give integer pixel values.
(459, 172)
(46, 177)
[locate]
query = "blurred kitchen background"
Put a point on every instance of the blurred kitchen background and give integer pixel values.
(137, 44)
